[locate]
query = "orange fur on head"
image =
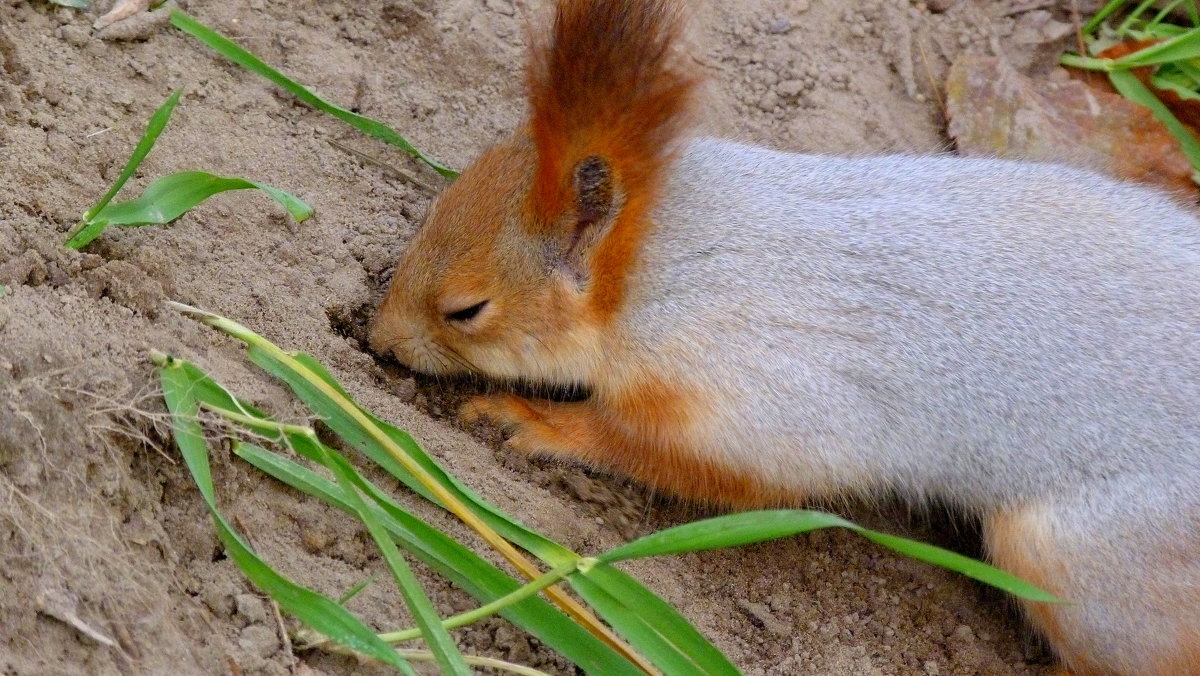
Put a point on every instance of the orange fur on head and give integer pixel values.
(606, 86)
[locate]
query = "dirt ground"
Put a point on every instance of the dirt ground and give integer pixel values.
(99, 517)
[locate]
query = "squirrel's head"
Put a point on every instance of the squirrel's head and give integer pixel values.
(481, 289)
(524, 260)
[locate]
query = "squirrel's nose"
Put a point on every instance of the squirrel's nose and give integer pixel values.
(383, 334)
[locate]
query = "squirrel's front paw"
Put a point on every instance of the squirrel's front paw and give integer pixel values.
(506, 411)
(563, 429)
(513, 415)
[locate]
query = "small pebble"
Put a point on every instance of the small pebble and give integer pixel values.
(76, 36)
(258, 640)
(406, 390)
(251, 608)
(790, 88)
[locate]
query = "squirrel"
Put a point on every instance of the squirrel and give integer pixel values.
(1020, 341)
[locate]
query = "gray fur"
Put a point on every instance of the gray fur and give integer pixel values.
(981, 331)
(984, 332)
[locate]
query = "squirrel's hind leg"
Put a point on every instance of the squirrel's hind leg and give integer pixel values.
(1127, 563)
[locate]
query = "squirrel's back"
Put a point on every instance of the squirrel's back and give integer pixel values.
(979, 330)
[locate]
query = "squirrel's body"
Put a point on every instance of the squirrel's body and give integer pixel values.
(978, 331)
(1019, 341)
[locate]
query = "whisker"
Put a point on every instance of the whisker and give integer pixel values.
(539, 340)
(461, 360)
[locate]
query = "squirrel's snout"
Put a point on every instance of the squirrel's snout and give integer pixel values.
(383, 335)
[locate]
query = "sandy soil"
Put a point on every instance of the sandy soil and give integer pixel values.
(97, 513)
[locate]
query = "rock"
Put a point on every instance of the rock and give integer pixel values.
(763, 615)
(780, 27)
(76, 36)
(251, 608)
(769, 102)
(995, 111)
(790, 89)
(139, 26)
(1039, 27)
(258, 640)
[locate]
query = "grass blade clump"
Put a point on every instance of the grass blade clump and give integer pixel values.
(659, 638)
(230, 50)
(158, 122)
(172, 196)
(449, 659)
(460, 565)
(179, 388)
(1173, 57)
(399, 454)
(168, 197)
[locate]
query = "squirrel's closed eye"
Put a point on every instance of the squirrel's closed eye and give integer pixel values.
(467, 313)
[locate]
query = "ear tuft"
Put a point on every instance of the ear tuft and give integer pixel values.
(609, 85)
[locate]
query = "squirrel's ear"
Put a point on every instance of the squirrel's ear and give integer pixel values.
(594, 190)
(597, 204)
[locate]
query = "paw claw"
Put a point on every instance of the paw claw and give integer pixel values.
(522, 444)
(505, 411)
(473, 411)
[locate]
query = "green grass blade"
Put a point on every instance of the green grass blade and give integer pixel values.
(958, 563)
(508, 526)
(1101, 15)
(173, 195)
(733, 530)
(460, 565)
(158, 122)
(1162, 31)
(655, 640)
(1179, 48)
(1178, 82)
(82, 236)
(637, 627)
(228, 49)
(674, 639)
(319, 612)
(1162, 14)
(437, 638)
(1189, 69)
(74, 4)
(1134, 16)
(1132, 88)
(356, 589)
